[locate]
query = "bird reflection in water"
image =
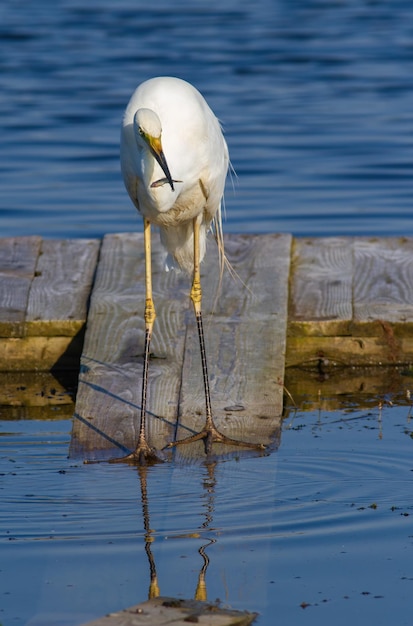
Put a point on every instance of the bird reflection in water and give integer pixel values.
(209, 486)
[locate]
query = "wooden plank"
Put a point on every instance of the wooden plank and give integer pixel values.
(109, 394)
(18, 258)
(60, 290)
(321, 286)
(386, 349)
(177, 612)
(40, 354)
(108, 401)
(363, 318)
(383, 280)
(44, 287)
(245, 341)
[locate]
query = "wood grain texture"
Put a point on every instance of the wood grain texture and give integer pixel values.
(245, 337)
(383, 280)
(109, 395)
(44, 293)
(18, 258)
(60, 290)
(351, 301)
(322, 284)
(245, 334)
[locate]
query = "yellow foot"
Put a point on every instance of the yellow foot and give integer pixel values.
(211, 435)
(142, 455)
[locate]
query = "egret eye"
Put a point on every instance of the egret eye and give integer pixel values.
(140, 131)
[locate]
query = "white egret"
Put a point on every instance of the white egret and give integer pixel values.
(174, 162)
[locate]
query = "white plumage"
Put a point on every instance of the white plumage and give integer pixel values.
(174, 114)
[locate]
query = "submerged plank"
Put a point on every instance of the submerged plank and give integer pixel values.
(335, 388)
(245, 334)
(109, 394)
(177, 612)
(37, 395)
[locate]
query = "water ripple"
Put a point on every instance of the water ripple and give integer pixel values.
(315, 99)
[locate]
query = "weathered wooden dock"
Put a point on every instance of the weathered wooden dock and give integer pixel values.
(44, 293)
(351, 300)
(294, 303)
(244, 335)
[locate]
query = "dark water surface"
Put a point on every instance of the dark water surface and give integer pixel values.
(315, 97)
(319, 533)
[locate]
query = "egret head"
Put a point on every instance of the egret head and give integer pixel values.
(148, 128)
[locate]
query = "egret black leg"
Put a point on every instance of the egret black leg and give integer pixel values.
(209, 434)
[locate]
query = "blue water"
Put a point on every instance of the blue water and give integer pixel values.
(315, 97)
(318, 533)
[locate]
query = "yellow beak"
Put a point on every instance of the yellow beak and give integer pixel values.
(155, 146)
